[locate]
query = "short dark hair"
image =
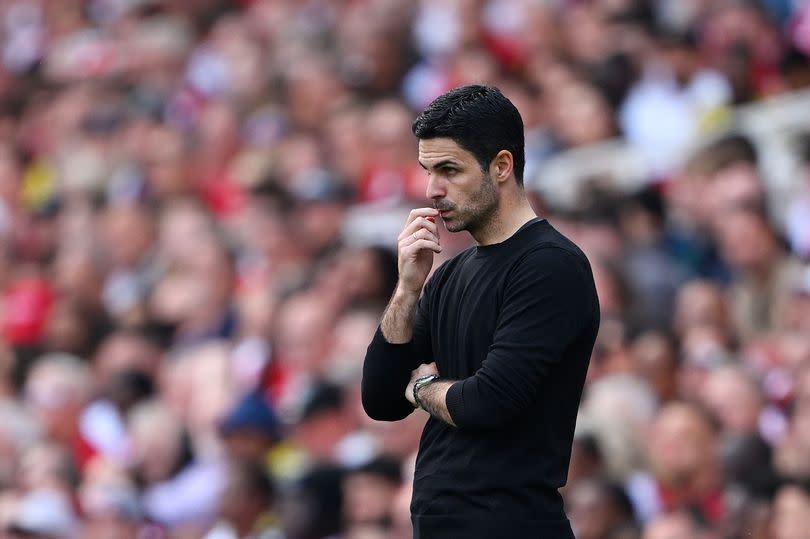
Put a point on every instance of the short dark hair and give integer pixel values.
(478, 118)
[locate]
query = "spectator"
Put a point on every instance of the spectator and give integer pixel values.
(765, 273)
(246, 505)
(685, 472)
(655, 361)
(599, 509)
(735, 400)
(790, 517)
(678, 525)
(368, 493)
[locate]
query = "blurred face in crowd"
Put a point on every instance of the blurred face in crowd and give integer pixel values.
(801, 388)
(45, 466)
(586, 461)
(388, 132)
(791, 513)
(368, 497)
(593, 514)
(167, 163)
(69, 328)
(609, 288)
(703, 349)
(795, 313)
(701, 304)
(156, 439)
(790, 456)
(735, 186)
(57, 393)
(207, 369)
(304, 333)
(195, 296)
(77, 277)
(312, 88)
(109, 502)
(734, 399)
(347, 143)
(242, 502)
(105, 526)
(580, 115)
(353, 332)
(256, 310)
(318, 223)
(182, 225)
(475, 64)
(121, 352)
(672, 526)
(299, 155)
(466, 197)
(654, 360)
(127, 233)
(586, 33)
(9, 176)
(746, 241)
(681, 448)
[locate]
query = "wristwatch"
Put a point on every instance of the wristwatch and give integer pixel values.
(419, 383)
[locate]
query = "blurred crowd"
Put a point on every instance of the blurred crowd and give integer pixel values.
(184, 308)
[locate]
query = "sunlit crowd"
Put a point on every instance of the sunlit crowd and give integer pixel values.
(199, 205)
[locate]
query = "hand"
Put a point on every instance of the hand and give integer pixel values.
(416, 244)
(422, 370)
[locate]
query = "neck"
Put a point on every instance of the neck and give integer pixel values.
(510, 215)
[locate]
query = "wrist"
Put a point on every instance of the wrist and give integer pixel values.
(419, 384)
(405, 293)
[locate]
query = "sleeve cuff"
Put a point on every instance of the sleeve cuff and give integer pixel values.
(454, 400)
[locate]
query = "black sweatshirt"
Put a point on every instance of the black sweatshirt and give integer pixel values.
(515, 324)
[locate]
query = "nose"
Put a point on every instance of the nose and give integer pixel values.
(436, 187)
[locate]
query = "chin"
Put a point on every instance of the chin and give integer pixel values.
(454, 226)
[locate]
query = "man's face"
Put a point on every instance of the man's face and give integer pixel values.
(465, 196)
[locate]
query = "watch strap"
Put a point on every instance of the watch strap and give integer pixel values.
(419, 383)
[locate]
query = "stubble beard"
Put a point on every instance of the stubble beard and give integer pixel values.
(479, 210)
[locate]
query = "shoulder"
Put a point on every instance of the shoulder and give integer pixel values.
(552, 263)
(551, 251)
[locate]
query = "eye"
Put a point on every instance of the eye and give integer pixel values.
(449, 172)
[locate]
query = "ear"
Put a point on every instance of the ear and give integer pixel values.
(502, 166)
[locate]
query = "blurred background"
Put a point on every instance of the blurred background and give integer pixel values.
(198, 205)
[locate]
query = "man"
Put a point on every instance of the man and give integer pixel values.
(497, 348)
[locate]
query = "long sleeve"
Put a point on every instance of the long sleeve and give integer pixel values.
(545, 306)
(387, 370)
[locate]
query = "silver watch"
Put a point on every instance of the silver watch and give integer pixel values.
(419, 383)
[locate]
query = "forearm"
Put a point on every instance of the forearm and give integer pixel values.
(386, 371)
(398, 319)
(433, 398)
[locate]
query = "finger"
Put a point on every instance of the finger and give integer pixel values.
(418, 224)
(430, 368)
(419, 245)
(425, 234)
(421, 212)
(413, 244)
(421, 234)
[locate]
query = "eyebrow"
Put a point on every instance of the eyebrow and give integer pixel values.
(441, 164)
